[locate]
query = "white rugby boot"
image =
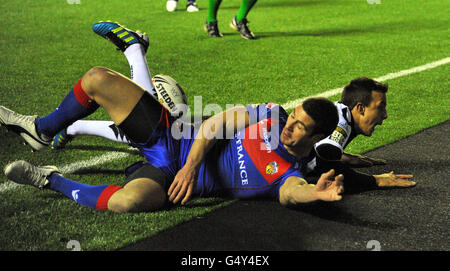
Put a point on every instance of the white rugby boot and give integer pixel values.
(23, 126)
(22, 172)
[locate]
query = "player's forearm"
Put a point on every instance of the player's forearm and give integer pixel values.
(202, 144)
(347, 158)
(298, 193)
(305, 194)
(217, 127)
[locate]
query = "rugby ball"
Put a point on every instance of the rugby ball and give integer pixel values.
(170, 94)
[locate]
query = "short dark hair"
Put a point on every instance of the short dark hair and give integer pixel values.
(324, 114)
(360, 90)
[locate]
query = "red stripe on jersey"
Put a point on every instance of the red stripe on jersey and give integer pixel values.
(102, 201)
(270, 105)
(164, 118)
(269, 164)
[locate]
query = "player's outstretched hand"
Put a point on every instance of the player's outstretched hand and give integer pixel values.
(183, 184)
(358, 160)
(394, 180)
(330, 187)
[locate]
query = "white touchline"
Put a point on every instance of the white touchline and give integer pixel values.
(71, 168)
(98, 160)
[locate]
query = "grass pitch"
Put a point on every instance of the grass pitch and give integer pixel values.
(305, 47)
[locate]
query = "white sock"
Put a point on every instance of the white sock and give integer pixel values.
(105, 129)
(140, 73)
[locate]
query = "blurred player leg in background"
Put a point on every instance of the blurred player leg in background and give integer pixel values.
(191, 6)
(238, 23)
(211, 21)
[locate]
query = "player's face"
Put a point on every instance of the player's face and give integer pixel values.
(374, 114)
(296, 135)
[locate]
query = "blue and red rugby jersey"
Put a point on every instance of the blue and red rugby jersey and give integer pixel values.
(252, 164)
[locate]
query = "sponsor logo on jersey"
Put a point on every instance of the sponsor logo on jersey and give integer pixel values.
(339, 135)
(242, 169)
(262, 158)
(272, 168)
(266, 140)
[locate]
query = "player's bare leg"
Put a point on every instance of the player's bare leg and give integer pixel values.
(119, 96)
(134, 46)
(114, 92)
(139, 195)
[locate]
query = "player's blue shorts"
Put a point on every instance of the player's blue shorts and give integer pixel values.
(168, 146)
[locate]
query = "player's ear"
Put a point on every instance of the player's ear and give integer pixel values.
(360, 108)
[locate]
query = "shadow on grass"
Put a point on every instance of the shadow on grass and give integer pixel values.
(337, 213)
(403, 26)
(291, 3)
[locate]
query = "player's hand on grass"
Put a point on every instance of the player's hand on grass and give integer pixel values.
(183, 184)
(330, 187)
(394, 180)
(358, 160)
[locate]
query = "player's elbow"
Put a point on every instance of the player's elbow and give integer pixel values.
(236, 118)
(328, 152)
(286, 197)
(225, 124)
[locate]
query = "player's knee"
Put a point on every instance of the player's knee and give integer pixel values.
(95, 79)
(123, 206)
(137, 202)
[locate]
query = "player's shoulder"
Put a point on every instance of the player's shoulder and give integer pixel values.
(331, 147)
(274, 107)
(345, 114)
(263, 111)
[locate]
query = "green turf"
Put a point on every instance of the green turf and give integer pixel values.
(304, 47)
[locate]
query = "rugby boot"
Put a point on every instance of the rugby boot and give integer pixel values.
(242, 27)
(61, 139)
(191, 7)
(212, 29)
(22, 172)
(120, 36)
(25, 127)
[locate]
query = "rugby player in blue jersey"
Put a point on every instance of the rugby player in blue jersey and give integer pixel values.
(263, 159)
(266, 158)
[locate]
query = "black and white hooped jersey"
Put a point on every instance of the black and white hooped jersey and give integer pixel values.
(332, 147)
